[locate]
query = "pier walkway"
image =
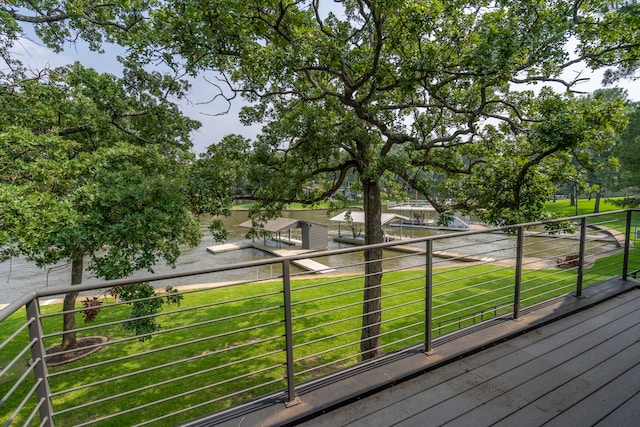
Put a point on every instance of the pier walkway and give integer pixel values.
(617, 235)
(307, 264)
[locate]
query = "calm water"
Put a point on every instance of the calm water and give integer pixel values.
(19, 276)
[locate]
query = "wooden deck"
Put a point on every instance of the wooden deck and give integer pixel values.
(582, 370)
(569, 362)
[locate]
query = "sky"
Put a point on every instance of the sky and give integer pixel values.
(215, 122)
(197, 105)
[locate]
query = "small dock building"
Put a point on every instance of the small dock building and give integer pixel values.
(312, 236)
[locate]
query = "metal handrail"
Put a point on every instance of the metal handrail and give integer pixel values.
(252, 342)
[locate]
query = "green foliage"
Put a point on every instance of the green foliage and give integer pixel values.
(626, 202)
(145, 304)
(445, 217)
(628, 149)
(382, 90)
(405, 90)
(173, 296)
(96, 167)
(81, 174)
(517, 175)
(596, 164)
(217, 177)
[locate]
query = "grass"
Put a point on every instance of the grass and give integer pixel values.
(237, 336)
(562, 208)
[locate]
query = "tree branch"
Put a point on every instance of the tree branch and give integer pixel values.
(42, 19)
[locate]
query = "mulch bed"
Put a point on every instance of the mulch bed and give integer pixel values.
(86, 346)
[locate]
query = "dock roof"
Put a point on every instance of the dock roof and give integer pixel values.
(358, 217)
(418, 207)
(274, 225)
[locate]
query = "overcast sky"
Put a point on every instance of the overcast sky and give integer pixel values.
(214, 126)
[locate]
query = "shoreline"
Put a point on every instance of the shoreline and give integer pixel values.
(530, 263)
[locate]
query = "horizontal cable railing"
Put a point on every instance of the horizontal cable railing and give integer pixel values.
(180, 353)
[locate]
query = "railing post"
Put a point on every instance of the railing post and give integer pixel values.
(518, 278)
(38, 354)
(428, 315)
(627, 244)
(583, 241)
(292, 399)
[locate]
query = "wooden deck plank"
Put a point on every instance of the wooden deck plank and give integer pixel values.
(628, 414)
(376, 410)
(607, 400)
(587, 387)
(562, 386)
(505, 359)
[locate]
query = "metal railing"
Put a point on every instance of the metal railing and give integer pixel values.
(212, 347)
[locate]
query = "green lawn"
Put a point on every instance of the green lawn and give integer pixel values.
(585, 206)
(238, 337)
(561, 207)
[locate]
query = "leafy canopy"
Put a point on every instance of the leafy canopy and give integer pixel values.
(90, 168)
(426, 91)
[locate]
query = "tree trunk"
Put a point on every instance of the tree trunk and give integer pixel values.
(596, 206)
(573, 196)
(372, 304)
(69, 319)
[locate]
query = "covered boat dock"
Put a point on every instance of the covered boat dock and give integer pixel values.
(355, 221)
(313, 236)
(418, 212)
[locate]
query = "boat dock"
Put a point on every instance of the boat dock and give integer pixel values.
(618, 236)
(228, 247)
(307, 264)
(441, 254)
